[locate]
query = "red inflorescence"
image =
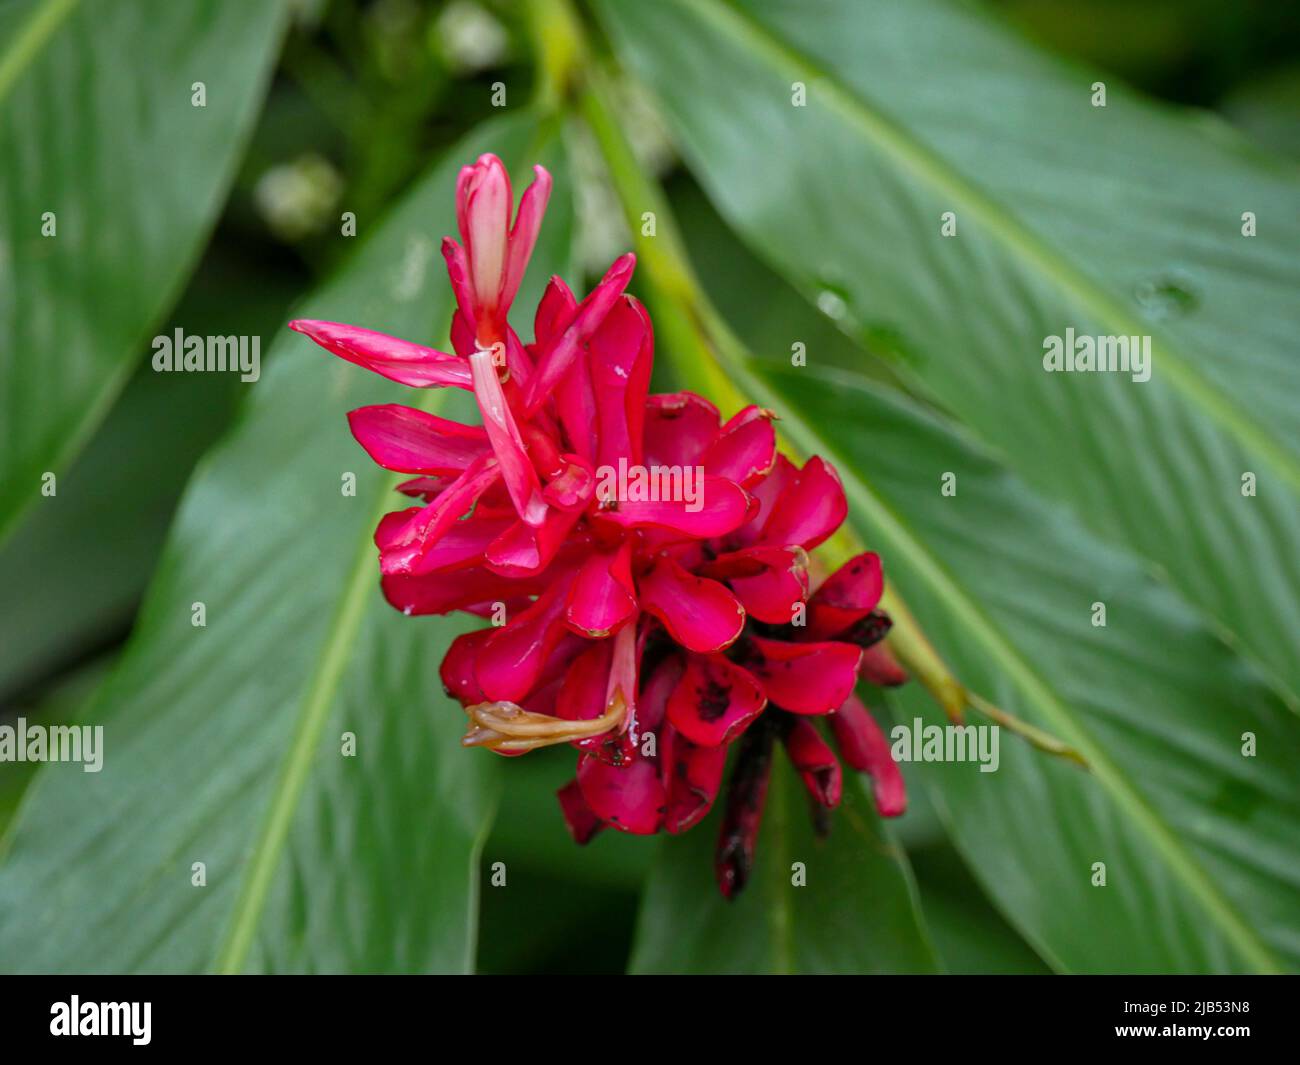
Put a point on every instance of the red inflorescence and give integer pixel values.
(645, 562)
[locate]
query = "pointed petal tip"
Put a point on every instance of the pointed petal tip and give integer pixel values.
(892, 807)
(314, 327)
(624, 264)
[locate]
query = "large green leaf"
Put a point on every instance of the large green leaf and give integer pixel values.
(98, 129)
(1198, 837)
(1122, 220)
(77, 567)
(223, 743)
(1192, 826)
(63, 700)
(855, 912)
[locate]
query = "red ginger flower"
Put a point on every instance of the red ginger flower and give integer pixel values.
(652, 560)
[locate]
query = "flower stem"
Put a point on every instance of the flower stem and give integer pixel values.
(1035, 737)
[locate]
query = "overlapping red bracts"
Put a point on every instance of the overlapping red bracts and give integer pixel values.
(645, 563)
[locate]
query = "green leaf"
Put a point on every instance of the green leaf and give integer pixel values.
(1197, 837)
(62, 702)
(856, 913)
(80, 562)
(223, 743)
(1189, 799)
(1123, 220)
(970, 936)
(101, 146)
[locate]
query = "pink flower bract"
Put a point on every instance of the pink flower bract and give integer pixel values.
(645, 563)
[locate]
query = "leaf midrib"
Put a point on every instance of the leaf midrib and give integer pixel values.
(928, 166)
(331, 662)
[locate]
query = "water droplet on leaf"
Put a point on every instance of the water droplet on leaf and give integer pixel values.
(1165, 296)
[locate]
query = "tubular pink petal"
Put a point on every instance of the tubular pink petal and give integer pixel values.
(620, 355)
(511, 660)
(466, 303)
(566, 651)
(621, 784)
(487, 221)
(575, 404)
(692, 775)
(522, 550)
(679, 426)
(582, 693)
(518, 364)
(699, 614)
(770, 492)
(581, 822)
(554, 312)
(603, 596)
(847, 595)
(881, 668)
(812, 511)
(467, 178)
(815, 763)
(864, 747)
(804, 678)
(523, 235)
(608, 674)
(463, 544)
(462, 335)
(652, 710)
(715, 700)
(745, 449)
(723, 506)
(516, 470)
(457, 669)
(628, 797)
(441, 593)
(398, 360)
(403, 547)
(770, 582)
(412, 441)
(426, 488)
(543, 450)
(555, 360)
